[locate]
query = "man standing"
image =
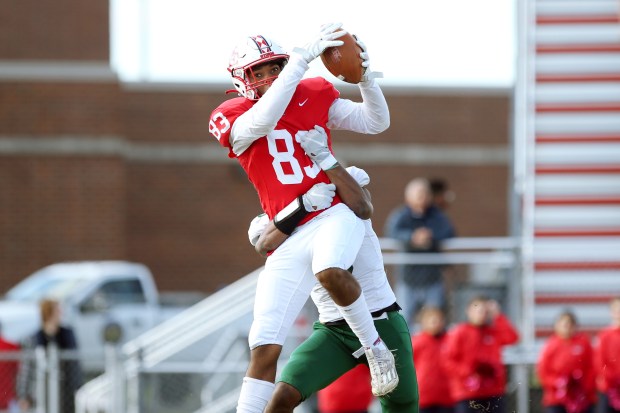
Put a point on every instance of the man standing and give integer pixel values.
(421, 227)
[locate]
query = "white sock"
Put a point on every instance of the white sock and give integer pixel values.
(255, 394)
(359, 319)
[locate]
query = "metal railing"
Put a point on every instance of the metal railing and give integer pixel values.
(204, 348)
(41, 376)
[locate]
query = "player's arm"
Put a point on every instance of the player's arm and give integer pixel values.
(372, 115)
(264, 234)
(263, 117)
(350, 191)
(314, 143)
(319, 197)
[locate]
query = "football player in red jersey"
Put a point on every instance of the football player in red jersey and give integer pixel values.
(262, 129)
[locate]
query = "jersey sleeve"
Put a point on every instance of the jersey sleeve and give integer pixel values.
(222, 119)
(371, 116)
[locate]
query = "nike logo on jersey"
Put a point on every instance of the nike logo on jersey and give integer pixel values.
(303, 103)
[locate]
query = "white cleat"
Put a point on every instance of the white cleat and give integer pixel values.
(383, 375)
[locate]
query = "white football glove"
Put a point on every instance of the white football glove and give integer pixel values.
(360, 175)
(368, 74)
(314, 143)
(257, 227)
(319, 197)
(326, 38)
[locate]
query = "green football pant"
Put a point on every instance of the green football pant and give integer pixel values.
(327, 354)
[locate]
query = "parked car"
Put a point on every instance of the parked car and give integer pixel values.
(96, 296)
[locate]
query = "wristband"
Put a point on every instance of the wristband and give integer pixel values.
(328, 163)
(286, 220)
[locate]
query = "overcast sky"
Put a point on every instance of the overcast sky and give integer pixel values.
(413, 42)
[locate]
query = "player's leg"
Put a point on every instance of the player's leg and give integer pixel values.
(282, 289)
(317, 362)
(336, 245)
(395, 333)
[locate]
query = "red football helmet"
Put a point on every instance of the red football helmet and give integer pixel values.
(255, 50)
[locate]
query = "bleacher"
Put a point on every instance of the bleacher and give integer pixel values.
(570, 86)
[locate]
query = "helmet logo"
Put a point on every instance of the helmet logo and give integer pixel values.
(263, 46)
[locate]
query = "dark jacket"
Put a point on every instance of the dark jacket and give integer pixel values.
(401, 224)
(70, 374)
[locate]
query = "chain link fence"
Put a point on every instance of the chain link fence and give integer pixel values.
(39, 380)
(191, 365)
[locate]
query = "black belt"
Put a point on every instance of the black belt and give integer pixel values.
(374, 314)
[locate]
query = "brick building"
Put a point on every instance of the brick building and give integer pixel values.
(93, 168)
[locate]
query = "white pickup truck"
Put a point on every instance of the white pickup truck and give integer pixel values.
(94, 295)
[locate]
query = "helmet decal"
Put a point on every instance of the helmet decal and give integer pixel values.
(261, 44)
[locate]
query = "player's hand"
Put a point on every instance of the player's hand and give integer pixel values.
(319, 197)
(257, 227)
(360, 175)
(326, 38)
(314, 143)
(368, 74)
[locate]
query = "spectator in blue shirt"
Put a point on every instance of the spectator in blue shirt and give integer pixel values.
(420, 226)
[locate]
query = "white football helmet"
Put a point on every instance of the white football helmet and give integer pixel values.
(255, 50)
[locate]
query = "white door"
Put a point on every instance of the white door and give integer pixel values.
(119, 303)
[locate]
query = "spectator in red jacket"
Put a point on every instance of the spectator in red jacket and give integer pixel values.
(607, 362)
(566, 369)
(350, 393)
(474, 358)
(8, 372)
(428, 346)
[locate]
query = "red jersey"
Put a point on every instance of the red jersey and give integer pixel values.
(474, 358)
(433, 383)
(607, 359)
(351, 392)
(8, 373)
(276, 164)
(566, 371)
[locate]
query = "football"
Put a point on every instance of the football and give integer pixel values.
(344, 61)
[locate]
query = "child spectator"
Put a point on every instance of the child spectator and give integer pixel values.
(350, 393)
(607, 362)
(474, 358)
(566, 370)
(428, 346)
